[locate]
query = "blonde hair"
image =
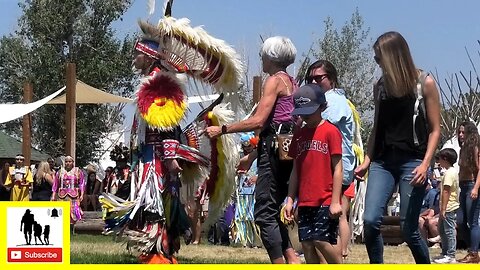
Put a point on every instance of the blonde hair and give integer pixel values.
(399, 71)
(43, 168)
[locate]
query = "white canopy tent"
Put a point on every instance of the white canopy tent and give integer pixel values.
(9, 112)
(86, 94)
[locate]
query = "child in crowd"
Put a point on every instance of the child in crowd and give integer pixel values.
(316, 177)
(449, 203)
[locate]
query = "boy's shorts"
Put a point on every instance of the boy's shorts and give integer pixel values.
(314, 223)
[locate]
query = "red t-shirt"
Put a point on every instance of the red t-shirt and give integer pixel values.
(312, 149)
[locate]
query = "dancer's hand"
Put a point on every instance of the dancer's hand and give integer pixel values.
(213, 132)
(172, 166)
(419, 175)
(252, 180)
(335, 210)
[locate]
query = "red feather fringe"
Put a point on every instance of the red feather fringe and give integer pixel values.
(157, 87)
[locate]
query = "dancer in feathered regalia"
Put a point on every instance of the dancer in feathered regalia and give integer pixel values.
(167, 157)
(245, 231)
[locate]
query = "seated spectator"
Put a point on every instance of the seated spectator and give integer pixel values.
(90, 198)
(123, 177)
(428, 219)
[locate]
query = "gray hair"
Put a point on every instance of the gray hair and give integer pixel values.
(279, 49)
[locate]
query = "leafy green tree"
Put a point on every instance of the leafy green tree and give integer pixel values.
(50, 34)
(349, 49)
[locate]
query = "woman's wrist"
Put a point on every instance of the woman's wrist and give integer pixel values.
(224, 129)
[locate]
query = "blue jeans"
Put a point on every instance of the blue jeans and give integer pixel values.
(383, 177)
(471, 210)
(447, 233)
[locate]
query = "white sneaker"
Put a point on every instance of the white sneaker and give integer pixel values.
(435, 239)
(441, 256)
(446, 259)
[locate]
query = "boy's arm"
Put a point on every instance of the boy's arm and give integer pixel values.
(335, 207)
(445, 196)
(292, 193)
(293, 183)
(337, 178)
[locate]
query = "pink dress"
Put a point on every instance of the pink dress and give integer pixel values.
(69, 185)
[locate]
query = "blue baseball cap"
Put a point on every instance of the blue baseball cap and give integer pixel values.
(308, 99)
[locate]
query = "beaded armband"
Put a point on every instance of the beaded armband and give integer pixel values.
(170, 148)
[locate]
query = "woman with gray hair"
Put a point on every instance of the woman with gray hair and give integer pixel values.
(272, 116)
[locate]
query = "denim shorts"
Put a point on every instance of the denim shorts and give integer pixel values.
(314, 223)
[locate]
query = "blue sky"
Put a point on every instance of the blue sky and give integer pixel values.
(437, 30)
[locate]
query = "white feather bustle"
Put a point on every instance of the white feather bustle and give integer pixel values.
(223, 193)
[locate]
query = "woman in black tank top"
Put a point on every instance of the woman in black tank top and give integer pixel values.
(42, 186)
(399, 149)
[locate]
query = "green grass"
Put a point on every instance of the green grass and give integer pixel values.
(99, 249)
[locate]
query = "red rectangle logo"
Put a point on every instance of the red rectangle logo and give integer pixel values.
(28, 255)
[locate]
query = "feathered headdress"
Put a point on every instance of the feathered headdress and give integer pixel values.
(193, 51)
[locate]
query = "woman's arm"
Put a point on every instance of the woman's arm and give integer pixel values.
(474, 193)
(432, 105)
(262, 112)
(362, 169)
(49, 178)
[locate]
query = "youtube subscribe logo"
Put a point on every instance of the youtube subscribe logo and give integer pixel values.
(28, 255)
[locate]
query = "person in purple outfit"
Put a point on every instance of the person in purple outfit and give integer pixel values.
(69, 185)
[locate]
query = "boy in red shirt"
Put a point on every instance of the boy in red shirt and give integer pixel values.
(316, 177)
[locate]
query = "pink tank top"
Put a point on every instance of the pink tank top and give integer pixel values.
(284, 105)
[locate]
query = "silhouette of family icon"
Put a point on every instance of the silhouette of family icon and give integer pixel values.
(28, 225)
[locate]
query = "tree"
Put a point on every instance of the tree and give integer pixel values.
(52, 32)
(460, 99)
(350, 51)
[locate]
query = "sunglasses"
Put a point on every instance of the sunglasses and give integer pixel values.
(317, 78)
(21, 159)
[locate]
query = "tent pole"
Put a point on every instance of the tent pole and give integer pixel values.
(27, 125)
(70, 110)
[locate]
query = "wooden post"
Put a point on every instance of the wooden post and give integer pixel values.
(257, 89)
(70, 110)
(257, 94)
(27, 125)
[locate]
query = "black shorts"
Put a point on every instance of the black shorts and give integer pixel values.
(314, 223)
